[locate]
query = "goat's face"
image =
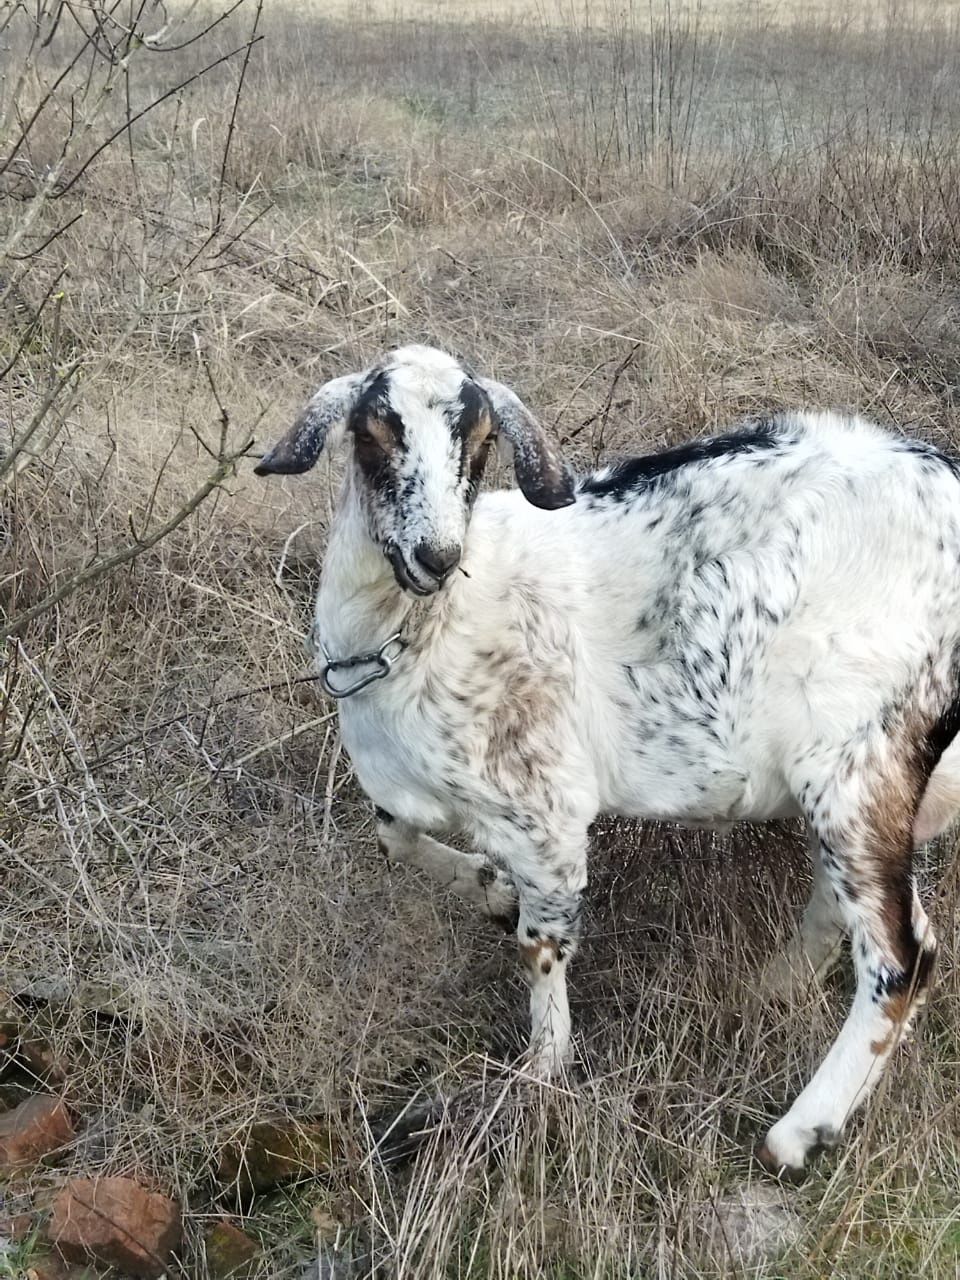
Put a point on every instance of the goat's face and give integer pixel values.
(420, 433)
(420, 428)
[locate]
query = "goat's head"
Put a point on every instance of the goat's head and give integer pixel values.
(420, 428)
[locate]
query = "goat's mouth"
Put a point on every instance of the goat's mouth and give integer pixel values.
(406, 578)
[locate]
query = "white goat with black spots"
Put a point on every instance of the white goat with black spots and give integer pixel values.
(757, 625)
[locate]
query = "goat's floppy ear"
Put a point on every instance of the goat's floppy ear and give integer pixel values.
(542, 475)
(327, 410)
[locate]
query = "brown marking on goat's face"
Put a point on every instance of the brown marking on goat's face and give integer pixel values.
(477, 435)
(476, 429)
(377, 432)
(376, 442)
(383, 433)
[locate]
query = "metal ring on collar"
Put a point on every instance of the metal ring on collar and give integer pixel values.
(380, 659)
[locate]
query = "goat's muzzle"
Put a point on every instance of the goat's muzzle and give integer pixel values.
(436, 561)
(416, 580)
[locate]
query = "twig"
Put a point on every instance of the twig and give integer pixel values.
(34, 324)
(233, 113)
(278, 576)
(124, 554)
(10, 462)
(178, 88)
(119, 748)
(237, 764)
(605, 411)
(54, 235)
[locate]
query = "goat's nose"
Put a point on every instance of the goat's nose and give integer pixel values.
(439, 562)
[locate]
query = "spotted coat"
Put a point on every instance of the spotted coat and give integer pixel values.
(761, 624)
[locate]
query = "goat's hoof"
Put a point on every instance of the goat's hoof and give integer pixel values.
(776, 1168)
(787, 1155)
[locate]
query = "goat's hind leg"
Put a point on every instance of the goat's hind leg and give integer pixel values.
(470, 875)
(865, 825)
(815, 948)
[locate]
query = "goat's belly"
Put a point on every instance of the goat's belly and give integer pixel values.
(700, 792)
(787, 808)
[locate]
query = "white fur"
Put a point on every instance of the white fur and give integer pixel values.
(753, 635)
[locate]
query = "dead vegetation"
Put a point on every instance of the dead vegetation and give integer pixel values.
(650, 222)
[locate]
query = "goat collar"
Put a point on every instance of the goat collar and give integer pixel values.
(381, 661)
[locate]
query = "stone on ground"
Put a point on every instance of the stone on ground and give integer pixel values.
(116, 1222)
(38, 1126)
(9, 1021)
(746, 1225)
(231, 1254)
(53, 1267)
(41, 1060)
(275, 1151)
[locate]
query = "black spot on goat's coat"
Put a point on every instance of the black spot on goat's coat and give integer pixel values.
(634, 475)
(374, 403)
(468, 410)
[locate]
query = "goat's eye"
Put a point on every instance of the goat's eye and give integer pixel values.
(365, 437)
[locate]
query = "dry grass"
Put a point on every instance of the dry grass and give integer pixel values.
(735, 14)
(648, 227)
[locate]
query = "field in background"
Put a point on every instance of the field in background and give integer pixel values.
(649, 222)
(731, 16)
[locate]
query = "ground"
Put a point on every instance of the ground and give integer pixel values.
(649, 221)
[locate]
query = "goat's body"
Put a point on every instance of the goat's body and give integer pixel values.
(675, 647)
(754, 626)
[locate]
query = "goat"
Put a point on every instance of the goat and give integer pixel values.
(757, 625)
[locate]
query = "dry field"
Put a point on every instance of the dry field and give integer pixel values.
(648, 222)
(732, 16)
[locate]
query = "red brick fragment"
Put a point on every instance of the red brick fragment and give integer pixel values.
(39, 1125)
(116, 1222)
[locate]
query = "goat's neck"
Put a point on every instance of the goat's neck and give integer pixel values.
(359, 604)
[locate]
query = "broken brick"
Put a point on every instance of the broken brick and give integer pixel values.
(117, 1222)
(39, 1125)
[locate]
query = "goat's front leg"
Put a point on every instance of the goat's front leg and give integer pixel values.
(551, 902)
(471, 875)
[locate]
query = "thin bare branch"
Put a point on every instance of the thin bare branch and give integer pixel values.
(123, 555)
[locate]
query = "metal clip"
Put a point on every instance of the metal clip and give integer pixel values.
(380, 659)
